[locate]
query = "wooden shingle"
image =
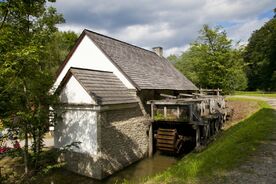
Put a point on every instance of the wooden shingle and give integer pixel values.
(102, 86)
(144, 68)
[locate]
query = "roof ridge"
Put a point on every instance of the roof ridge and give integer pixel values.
(115, 39)
(90, 70)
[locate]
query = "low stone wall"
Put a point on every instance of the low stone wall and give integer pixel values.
(122, 138)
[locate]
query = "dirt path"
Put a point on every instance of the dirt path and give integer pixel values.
(271, 101)
(260, 168)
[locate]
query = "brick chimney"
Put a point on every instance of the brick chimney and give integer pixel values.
(158, 51)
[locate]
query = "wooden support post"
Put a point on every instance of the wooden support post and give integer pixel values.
(165, 112)
(152, 110)
(208, 130)
(178, 112)
(197, 137)
(150, 141)
(190, 113)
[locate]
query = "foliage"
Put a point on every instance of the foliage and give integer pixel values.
(49, 163)
(58, 48)
(25, 77)
(230, 149)
(260, 56)
(159, 116)
(213, 61)
(172, 58)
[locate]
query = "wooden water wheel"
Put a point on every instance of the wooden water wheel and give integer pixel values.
(168, 140)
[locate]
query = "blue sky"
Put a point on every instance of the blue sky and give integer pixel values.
(172, 24)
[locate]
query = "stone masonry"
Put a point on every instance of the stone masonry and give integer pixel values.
(122, 137)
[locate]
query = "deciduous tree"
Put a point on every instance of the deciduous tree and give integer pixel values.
(25, 72)
(260, 56)
(213, 61)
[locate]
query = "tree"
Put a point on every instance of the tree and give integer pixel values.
(59, 47)
(213, 62)
(25, 79)
(260, 56)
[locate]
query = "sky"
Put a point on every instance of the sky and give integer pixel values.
(171, 24)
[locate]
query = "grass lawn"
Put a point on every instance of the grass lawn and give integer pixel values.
(230, 149)
(256, 93)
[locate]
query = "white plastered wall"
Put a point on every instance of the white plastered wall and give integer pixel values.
(89, 56)
(77, 125)
(74, 93)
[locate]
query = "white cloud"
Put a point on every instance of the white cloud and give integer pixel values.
(242, 30)
(146, 34)
(172, 24)
(65, 27)
(176, 50)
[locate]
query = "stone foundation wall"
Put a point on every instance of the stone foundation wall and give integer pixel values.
(122, 138)
(83, 163)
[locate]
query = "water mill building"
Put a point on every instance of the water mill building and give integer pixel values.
(104, 85)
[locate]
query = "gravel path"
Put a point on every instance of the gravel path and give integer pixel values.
(271, 101)
(261, 165)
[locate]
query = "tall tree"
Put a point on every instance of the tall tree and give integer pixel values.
(25, 78)
(59, 47)
(260, 57)
(213, 62)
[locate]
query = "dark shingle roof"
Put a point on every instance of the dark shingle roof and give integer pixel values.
(104, 87)
(144, 68)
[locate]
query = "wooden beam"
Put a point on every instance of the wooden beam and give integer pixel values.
(180, 101)
(152, 111)
(150, 141)
(186, 95)
(168, 96)
(165, 112)
(178, 112)
(211, 90)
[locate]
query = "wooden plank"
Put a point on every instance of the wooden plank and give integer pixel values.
(211, 90)
(168, 96)
(166, 130)
(165, 137)
(165, 141)
(166, 133)
(181, 101)
(166, 149)
(159, 145)
(186, 95)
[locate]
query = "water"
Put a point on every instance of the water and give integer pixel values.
(143, 168)
(133, 173)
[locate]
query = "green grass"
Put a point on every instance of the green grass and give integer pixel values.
(256, 93)
(230, 149)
